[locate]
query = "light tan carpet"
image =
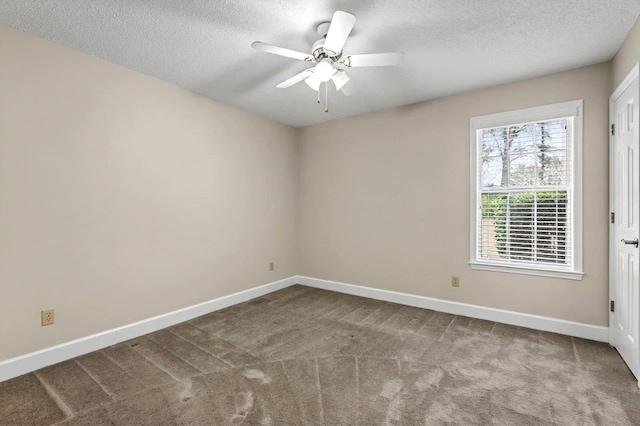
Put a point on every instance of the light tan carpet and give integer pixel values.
(308, 356)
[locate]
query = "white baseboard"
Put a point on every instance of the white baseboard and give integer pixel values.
(570, 328)
(35, 360)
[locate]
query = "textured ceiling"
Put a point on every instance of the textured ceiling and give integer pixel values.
(451, 46)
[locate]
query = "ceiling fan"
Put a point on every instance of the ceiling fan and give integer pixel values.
(330, 62)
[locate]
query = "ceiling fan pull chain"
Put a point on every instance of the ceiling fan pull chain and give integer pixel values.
(318, 95)
(326, 98)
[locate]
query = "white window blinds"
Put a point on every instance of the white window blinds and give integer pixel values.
(524, 195)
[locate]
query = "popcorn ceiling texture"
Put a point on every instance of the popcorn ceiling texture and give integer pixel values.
(452, 46)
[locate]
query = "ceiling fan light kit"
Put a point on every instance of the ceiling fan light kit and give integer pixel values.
(328, 57)
(324, 70)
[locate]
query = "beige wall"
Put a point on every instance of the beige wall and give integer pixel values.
(123, 197)
(384, 200)
(628, 55)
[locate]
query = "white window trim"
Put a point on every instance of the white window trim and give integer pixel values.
(572, 109)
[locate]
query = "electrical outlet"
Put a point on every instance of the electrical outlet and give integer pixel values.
(48, 317)
(271, 266)
(455, 281)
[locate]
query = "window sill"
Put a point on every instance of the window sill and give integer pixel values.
(567, 275)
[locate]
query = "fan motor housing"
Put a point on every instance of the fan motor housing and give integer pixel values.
(317, 48)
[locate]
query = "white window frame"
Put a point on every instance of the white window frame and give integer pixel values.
(572, 110)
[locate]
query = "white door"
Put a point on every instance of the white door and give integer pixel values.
(625, 193)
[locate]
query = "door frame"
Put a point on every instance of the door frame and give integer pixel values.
(634, 74)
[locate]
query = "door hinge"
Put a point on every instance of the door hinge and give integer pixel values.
(613, 306)
(613, 130)
(613, 217)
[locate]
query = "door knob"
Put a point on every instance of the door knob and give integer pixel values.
(634, 242)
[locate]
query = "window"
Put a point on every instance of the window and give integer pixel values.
(526, 191)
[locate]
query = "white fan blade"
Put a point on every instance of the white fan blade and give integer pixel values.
(313, 82)
(295, 79)
(374, 60)
(340, 79)
(341, 25)
(348, 89)
(258, 45)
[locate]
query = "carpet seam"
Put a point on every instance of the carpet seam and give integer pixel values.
(125, 370)
(181, 359)
(317, 370)
(214, 355)
(177, 379)
(66, 410)
(195, 344)
(221, 338)
(95, 379)
(357, 392)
